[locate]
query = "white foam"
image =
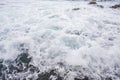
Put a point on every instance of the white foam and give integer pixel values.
(48, 30)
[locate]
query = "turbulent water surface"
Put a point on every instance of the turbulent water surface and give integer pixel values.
(59, 40)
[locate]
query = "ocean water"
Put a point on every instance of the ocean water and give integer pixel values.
(59, 40)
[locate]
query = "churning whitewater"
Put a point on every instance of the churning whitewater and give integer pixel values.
(59, 40)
